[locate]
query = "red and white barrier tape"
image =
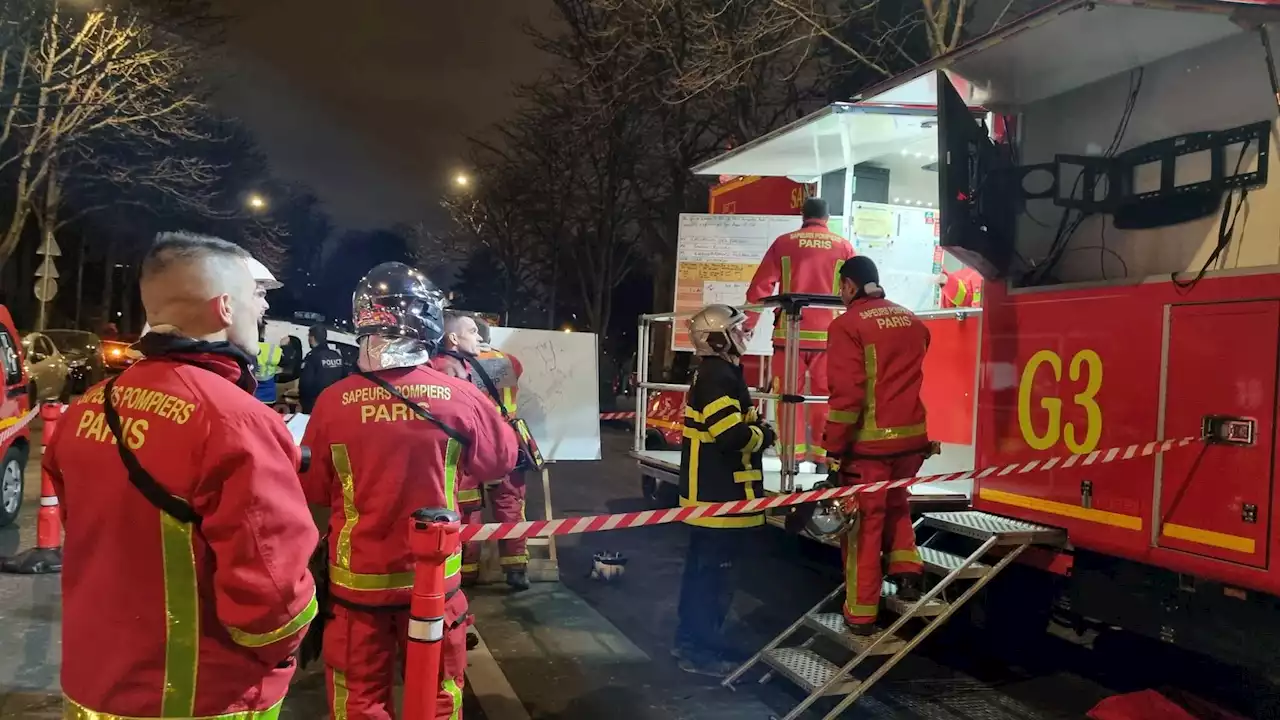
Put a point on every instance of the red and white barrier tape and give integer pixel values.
(617, 416)
(17, 427)
(598, 523)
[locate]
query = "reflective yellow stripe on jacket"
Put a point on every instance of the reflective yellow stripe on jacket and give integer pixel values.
(707, 433)
(182, 619)
(72, 710)
(869, 429)
(340, 572)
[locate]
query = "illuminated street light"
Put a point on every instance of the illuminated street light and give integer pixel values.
(257, 202)
(461, 180)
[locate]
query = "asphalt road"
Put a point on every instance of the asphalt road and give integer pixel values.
(585, 650)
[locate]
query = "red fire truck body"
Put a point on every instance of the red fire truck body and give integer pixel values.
(1181, 546)
(1074, 371)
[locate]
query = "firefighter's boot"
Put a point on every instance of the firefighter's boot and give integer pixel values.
(862, 629)
(910, 586)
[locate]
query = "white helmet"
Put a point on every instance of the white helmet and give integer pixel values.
(263, 276)
(719, 330)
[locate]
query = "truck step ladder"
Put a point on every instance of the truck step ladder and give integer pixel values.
(820, 677)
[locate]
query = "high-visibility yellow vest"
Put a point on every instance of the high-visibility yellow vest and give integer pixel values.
(268, 362)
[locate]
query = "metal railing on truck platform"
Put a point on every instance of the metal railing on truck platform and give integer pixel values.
(792, 305)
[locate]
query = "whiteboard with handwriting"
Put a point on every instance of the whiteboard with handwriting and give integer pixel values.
(716, 257)
(559, 389)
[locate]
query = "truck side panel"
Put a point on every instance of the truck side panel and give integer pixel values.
(1069, 371)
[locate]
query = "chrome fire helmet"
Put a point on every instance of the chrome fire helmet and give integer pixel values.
(397, 301)
(719, 330)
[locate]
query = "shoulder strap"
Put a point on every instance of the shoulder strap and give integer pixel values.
(153, 491)
(415, 407)
(489, 386)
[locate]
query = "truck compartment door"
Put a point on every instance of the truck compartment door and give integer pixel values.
(1215, 500)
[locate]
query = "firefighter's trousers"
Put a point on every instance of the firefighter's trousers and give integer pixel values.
(472, 514)
(884, 527)
(706, 588)
(508, 507)
(364, 658)
(811, 379)
(507, 499)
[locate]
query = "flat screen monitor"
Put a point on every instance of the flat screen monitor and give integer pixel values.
(976, 206)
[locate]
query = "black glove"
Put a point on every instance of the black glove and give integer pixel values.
(770, 435)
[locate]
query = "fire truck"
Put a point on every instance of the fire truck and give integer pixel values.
(1105, 166)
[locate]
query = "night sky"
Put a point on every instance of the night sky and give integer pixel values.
(368, 102)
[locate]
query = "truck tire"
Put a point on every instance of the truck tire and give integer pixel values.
(12, 469)
(653, 440)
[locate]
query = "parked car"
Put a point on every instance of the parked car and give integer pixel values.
(15, 401)
(46, 367)
(84, 353)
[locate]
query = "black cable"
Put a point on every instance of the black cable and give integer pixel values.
(1104, 252)
(1067, 228)
(1226, 227)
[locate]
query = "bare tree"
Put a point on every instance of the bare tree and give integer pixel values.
(723, 43)
(82, 80)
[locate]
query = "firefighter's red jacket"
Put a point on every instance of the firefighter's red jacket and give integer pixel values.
(806, 261)
(875, 367)
(161, 618)
(963, 288)
(375, 461)
(451, 366)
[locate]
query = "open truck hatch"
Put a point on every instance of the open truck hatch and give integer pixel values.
(1073, 43)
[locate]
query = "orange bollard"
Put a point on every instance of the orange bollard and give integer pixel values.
(46, 556)
(433, 537)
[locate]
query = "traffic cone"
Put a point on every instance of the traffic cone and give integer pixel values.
(46, 556)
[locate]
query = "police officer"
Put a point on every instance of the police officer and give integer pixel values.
(321, 368)
(876, 431)
(185, 589)
(720, 461)
(396, 437)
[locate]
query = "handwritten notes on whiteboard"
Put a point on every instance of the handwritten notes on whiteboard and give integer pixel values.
(716, 258)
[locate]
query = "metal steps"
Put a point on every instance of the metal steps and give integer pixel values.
(983, 526)
(820, 676)
(810, 671)
(938, 562)
(833, 627)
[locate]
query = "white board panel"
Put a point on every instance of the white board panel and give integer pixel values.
(902, 241)
(716, 257)
(559, 389)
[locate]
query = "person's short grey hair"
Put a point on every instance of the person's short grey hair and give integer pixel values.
(451, 318)
(176, 248)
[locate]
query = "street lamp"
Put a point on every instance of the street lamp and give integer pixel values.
(461, 180)
(256, 202)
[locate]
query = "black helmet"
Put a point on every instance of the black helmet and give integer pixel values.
(395, 300)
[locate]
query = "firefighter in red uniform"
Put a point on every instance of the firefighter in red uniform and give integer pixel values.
(461, 333)
(961, 288)
(507, 494)
(875, 432)
(466, 344)
(393, 438)
(185, 589)
(806, 261)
